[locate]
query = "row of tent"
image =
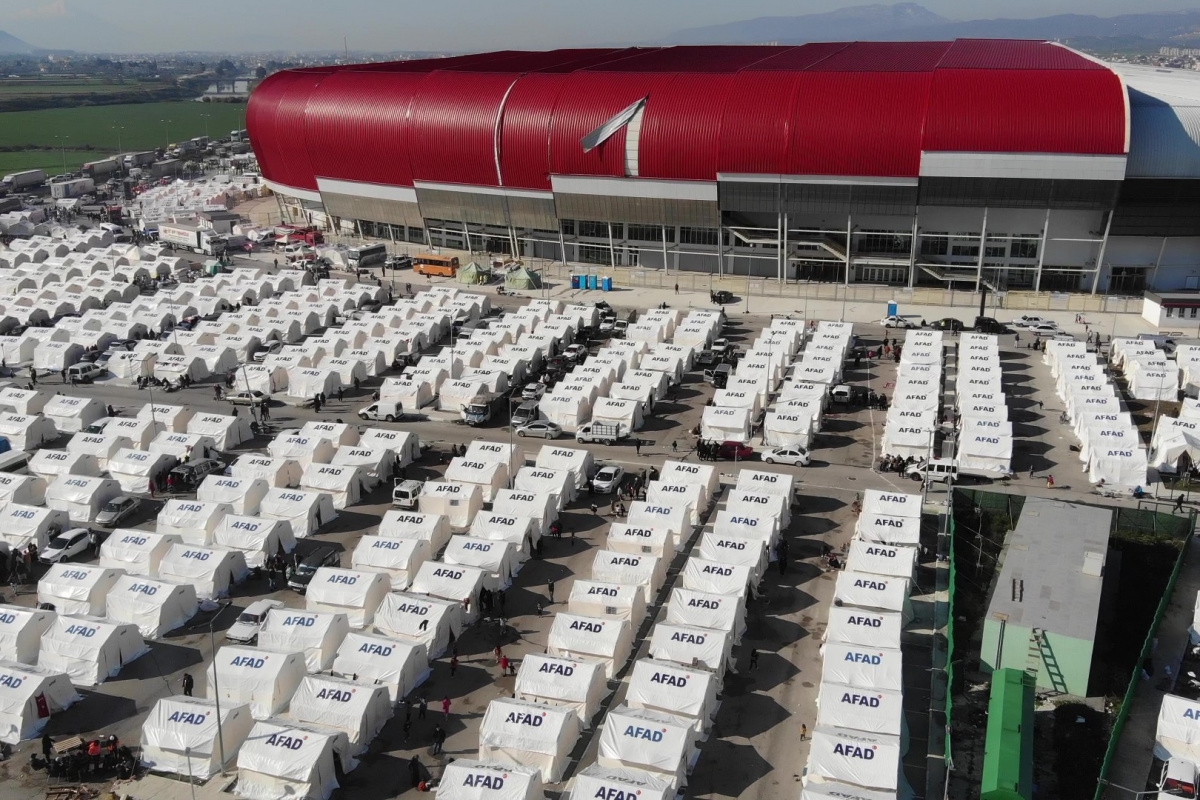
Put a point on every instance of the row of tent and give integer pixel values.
(1175, 437)
(1110, 446)
(182, 200)
(912, 415)
(795, 415)
(1148, 372)
(985, 439)
(860, 734)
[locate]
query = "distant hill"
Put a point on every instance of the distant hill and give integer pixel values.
(12, 46)
(913, 22)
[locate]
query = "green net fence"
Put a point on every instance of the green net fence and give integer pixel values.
(950, 648)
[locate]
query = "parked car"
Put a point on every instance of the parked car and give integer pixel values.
(608, 479)
(254, 398)
(576, 352)
(118, 510)
(245, 629)
(990, 325)
(796, 456)
(386, 410)
(948, 324)
(940, 469)
(541, 428)
(735, 451)
(270, 349)
(302, 575)
(406, 494)
(896, 321)
(1045, 329)
(533, 390)
(65, 546)
(85, 373)
(191, 474)
(706, 358)
(1178, 778)
(1028, 321)
(526, 413)
(722, 297)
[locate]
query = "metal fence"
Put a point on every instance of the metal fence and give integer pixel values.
(950, 646)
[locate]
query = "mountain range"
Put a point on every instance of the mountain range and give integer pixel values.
(12, 46)
(913, 22)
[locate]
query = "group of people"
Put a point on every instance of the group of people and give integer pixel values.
(492, 602)
(897, 464)
(708, 450)
(94, 759)
(20, 564)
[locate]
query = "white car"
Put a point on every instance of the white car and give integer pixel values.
(271, 349)
(576, 353)
(65, 546)
(608, 479)
(245, 629)
(385, 410)
(1045, 329)
(896, 321)
(1028, 321)
(533, 390)
(541, 428)
(796, 456)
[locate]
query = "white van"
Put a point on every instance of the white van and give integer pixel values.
(405, 494)
(386, 410)
(940, 469)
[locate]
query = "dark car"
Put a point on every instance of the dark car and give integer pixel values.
(990, 325)
(707, 358)
(948, 324)
(722, 297)
(302, 575)
(188, 476)
(734, 450)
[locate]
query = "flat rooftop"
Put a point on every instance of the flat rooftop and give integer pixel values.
(1043, 583)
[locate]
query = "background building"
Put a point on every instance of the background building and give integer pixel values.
(1017, 165)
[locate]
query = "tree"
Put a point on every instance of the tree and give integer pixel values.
(260, 72)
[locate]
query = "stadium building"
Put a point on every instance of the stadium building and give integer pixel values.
(1016, 165)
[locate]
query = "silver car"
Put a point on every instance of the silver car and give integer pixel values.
(541, 428)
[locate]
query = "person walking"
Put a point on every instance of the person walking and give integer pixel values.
(94, 541)
(414, 771)
(422, 705)
(188, 683)
(753, 659)
(1049, 481)
(503, 666)
(439, 739)
(446, 706)
(407, 730)
(677, 288)
(637, 446)
(803, 732)
(47, 746)
(453, 665)
(1179, 503)
(550, 590)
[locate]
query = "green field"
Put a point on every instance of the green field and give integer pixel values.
(142, 126)
(76, 87)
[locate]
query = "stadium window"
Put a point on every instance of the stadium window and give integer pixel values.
(645, 233)
(703, 236)
(595, 230)
(1024, 249)
(568, 227)
(938, 246)
(965, 250)
(594, 255)
(994, 252)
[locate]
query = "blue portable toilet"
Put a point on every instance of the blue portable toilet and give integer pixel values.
(893, 308)
(608, 284)
(574, 281)
(591, 281)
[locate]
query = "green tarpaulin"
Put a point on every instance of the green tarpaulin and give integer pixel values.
(473, 273)
(521, 278)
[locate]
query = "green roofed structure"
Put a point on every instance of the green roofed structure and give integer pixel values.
(473, 274)
(1008, 750)
(521, 278)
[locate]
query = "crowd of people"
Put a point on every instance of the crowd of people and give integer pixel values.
(98, 759)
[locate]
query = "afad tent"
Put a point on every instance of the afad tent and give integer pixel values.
(374, 465)
(345, 591)
(686, 644)
(81, 498)
(305, 511)
(399, 667)
(692, 495)
(414, 619)
(226, 431)
(28, 696)
(703, 575)
(881, 559)
(431, 528)
(280, 473)
(212, 570)
(405, 444)
(77, 588)
(89, 649)
(263, 679)
(100, 446)
(573, 684)
(866, 628)
(529, 735)
(497, 560)
(662, 744)
(605, 639)
(256, 538)
(540, 508)
(674, 689)
(864, 667)
(559, 483)
(398, 559)
(358, 710)
(172, 418)
(192, 521)
(135, 470)
(458, 583)
(136, 552)
(675, 517)
(26, 432)
(457, 502)
(292, 760)
(642, 570)
(869, 710)
(21, 632)
(317, 635)
(618, 782)
(869, 760)
(466, 779)
(22, 525)
(876, 592)
(49, 464)
(599, 599)
(624, 538)
(727, 549)
(301, 448)
(180, 736)
(73, 414)
(345, 485)
(154, 606)
(721, 612)
(490, 477)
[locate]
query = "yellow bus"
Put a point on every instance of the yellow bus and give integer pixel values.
(429, 264)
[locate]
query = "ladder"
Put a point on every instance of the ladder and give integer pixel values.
(1040, 655)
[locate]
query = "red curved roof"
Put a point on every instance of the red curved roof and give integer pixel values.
(515, 118)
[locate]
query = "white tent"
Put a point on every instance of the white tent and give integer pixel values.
(184, 446)
(624, 538)
(725, 424)
(868, 760)
(864, 667)
(497, 559)
(568, 410)
(306, 512)
(48, 464)
(358, 710)
(598, 599)
(305, 383)
(212, 570)
(458, 583)
(301, 448)
(256, 676)
(226, 431)
(154, 606)
(985, 445)
(748, 522)
(614, 782)
(77, 588)
(22, 401)
(374, 465)
(489, 476)
(689, 645)
(673, 494)
(241, 495)
(280, 473)
(538, 507)
(135, 552)
(605, 639)
(135, 470)
(721, 612)
(431, 528)
(22, 525)
(192, 521)
(466, 779)
(336, 433)
(89, 649)
(876, 592)
(674, 517)
(99, 446)
(353, 593)
(891, 504)
(529, 734)
(28, 696)
(344, 485)
(317, 634)
(502, 527)
(172, 418)
(180, 736)
(790, 423)
(871, 710)
(642, 570)
(675, 689)
(659, 743)
(577, 685)
(398, 559)
(714, 577)
(625, 414)
(885, 529)
(457, 502)
(73, 414)
(140, 432)
(292, 760)
(560, 483)
(27, 432)
(21, 632)
(399, 667)
(881, 559)
(859, 626)
(683, 472)
(257, 539)
(417, 619)
(405, 444)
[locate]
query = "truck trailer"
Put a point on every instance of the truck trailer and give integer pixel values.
(61, 190)
(101, 169)
(140, 159)
(23, 180)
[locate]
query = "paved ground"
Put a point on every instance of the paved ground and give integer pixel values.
(755, 749)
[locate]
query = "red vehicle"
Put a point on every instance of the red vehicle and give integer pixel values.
(295, 234)
(735, 450)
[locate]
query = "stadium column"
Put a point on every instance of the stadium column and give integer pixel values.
(666, 266)
(562, 244)
(982, 250)
(1037, 278)
(849, 245)
(612, 250)
(1154, 275)
(1100, 255)
(912, 248)
(783, 248)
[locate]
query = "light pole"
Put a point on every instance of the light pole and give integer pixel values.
(167, 127)
(187, 753)
(63, 147)
(118, 129)
(212, 642)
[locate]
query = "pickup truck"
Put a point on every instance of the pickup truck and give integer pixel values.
(601, 432)
(478, 411)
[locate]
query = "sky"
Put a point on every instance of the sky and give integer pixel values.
(438, 25)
